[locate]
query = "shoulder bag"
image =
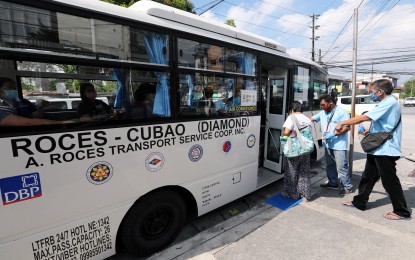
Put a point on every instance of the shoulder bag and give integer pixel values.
(372, 141)
(301, 144)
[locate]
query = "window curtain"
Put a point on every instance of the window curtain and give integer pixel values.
(121, 98)
(189, 80)
(246, 62)
(156, 46)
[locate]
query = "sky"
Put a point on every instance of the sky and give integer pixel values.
(386, 30)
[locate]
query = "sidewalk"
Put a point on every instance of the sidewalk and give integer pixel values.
(322, 228)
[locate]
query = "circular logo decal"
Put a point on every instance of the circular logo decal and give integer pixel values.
(227, 145)
(195, 153)
(99, 173)
(250, 142)
(154, 162)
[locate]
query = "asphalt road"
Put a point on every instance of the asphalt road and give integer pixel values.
(408, 110)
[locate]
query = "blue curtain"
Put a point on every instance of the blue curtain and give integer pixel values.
(246, 62)
(121, 98)
(189, 80)
(156, 46)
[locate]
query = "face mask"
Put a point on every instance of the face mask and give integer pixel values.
(326, 107)
(11, 94)
(374, 97)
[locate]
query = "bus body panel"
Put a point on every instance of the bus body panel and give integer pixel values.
(57, 186)
(88, 238)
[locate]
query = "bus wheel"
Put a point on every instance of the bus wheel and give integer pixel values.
(153, 223)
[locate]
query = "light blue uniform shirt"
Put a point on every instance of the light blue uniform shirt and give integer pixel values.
(220, 105)
(338, 142)
(385, 116)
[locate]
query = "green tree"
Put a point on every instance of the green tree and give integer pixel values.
(230, 22)
(185, 5)
(408, 88)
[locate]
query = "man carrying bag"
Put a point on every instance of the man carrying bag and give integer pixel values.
(381, 160)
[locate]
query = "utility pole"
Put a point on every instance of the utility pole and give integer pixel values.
(313, 37)
(371, 78)
(351, 133)
(319, 56)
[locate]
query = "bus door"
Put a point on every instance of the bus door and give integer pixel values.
(275, 117)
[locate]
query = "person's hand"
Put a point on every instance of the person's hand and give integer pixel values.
(361, 129)
(338, 127)
(328, 136)
(283, 139)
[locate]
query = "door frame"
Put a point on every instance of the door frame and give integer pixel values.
(274, 122)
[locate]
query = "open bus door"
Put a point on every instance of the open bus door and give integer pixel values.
(275, 117)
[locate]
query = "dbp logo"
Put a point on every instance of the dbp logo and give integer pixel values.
(20, 188)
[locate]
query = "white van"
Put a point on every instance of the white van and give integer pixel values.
(363, 104)
(65, 103)
(409, 101)
(62, 108)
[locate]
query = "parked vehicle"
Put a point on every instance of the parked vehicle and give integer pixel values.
(363, 103)
(409, 101)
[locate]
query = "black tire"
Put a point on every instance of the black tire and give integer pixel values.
(153, 223)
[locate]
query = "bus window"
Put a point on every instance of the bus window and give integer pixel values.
(301, 86)
(204, 96)
(124, 90)
(319, 89)
(199, 55)
(240, 62)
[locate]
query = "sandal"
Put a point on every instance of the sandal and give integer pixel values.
(394, 216)
(304, 199)
(348, 204)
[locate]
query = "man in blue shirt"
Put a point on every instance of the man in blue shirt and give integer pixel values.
(381, 162)
(335, 144)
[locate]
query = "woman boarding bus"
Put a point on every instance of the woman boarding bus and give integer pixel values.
(84, 189)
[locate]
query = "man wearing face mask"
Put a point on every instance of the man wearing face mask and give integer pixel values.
(335, 144)
(381, 162)
(15, 111)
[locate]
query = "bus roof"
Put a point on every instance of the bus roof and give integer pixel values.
(168, 17)
(183, 17)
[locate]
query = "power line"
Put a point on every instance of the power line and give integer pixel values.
(344, 27)
(282, 7)
(380, 18)
(362, 29)
(252, 10)
(205, 5)
(268, 28)
(220, 1)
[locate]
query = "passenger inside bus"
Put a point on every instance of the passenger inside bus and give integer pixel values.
(16, 111)
(91, 107)
(222, 106)
(143, 101)
(206, 103)
(22, 106)
(235, 100)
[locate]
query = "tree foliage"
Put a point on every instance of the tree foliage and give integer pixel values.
(185, 5)
(230, 22)
(408, 87)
